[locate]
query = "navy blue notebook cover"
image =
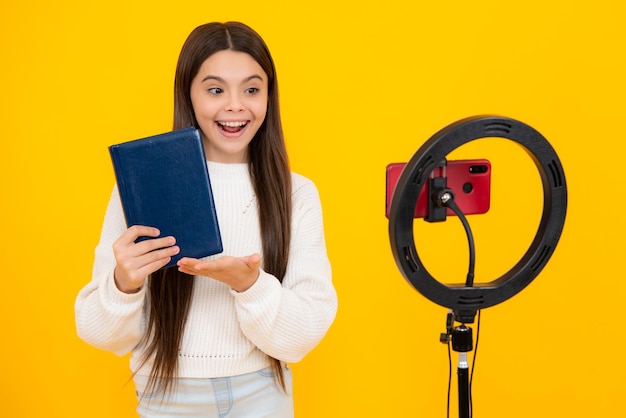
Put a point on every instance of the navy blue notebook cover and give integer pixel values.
(164, 182)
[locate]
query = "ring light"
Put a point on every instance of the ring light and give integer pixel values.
(415, 175)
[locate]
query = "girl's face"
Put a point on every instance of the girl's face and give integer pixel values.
(229, 98)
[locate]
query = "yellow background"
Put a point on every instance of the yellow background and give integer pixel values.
(362, 84)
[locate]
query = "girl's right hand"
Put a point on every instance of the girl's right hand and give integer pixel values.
(136, 261)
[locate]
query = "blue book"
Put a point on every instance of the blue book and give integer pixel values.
(163, 181)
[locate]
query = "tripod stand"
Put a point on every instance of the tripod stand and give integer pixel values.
(462, 343)
(415, 176)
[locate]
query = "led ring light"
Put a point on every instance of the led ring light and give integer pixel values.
(415, 175)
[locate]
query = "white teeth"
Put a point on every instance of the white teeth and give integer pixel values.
(233, 124)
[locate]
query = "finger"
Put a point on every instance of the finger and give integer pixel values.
(150, 268)
(150, 245)
(137, 231)
(138, 268)
(252, 261)
(202, 268)
(129, 256)
(187, 270)
(193, 272)
(222, 264)
(193, 265)
(188, 261)
(128, 238)
(133, 258)
(202, 264)
(159, 254)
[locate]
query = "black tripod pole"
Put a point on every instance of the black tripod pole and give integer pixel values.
(462, 343)
(463, 380)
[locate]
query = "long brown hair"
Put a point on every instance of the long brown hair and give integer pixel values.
(170, 290)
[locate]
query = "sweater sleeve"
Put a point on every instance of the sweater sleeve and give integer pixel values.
(106, 317)
(287, 321)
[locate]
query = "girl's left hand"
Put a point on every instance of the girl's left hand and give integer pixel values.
(240, 273)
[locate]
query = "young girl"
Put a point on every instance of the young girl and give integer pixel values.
(212, 337)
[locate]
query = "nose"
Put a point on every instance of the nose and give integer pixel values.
(235, 104)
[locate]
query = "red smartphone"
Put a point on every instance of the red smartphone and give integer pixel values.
(469, 180)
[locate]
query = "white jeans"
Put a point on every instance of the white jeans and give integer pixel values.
(252, 395)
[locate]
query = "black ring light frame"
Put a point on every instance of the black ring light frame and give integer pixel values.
(415, 175)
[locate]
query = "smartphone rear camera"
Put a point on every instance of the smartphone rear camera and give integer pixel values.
(478, 169)
(467, 187)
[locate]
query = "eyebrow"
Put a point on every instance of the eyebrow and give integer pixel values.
(221, 80)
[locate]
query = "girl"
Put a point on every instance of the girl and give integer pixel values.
(212, 337)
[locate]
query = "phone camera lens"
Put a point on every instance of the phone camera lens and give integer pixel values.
(478, 169)
(467, 187)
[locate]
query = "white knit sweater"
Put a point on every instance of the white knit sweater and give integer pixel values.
(227, 333)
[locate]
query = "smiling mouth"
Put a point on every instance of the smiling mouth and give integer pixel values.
(232, 127)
